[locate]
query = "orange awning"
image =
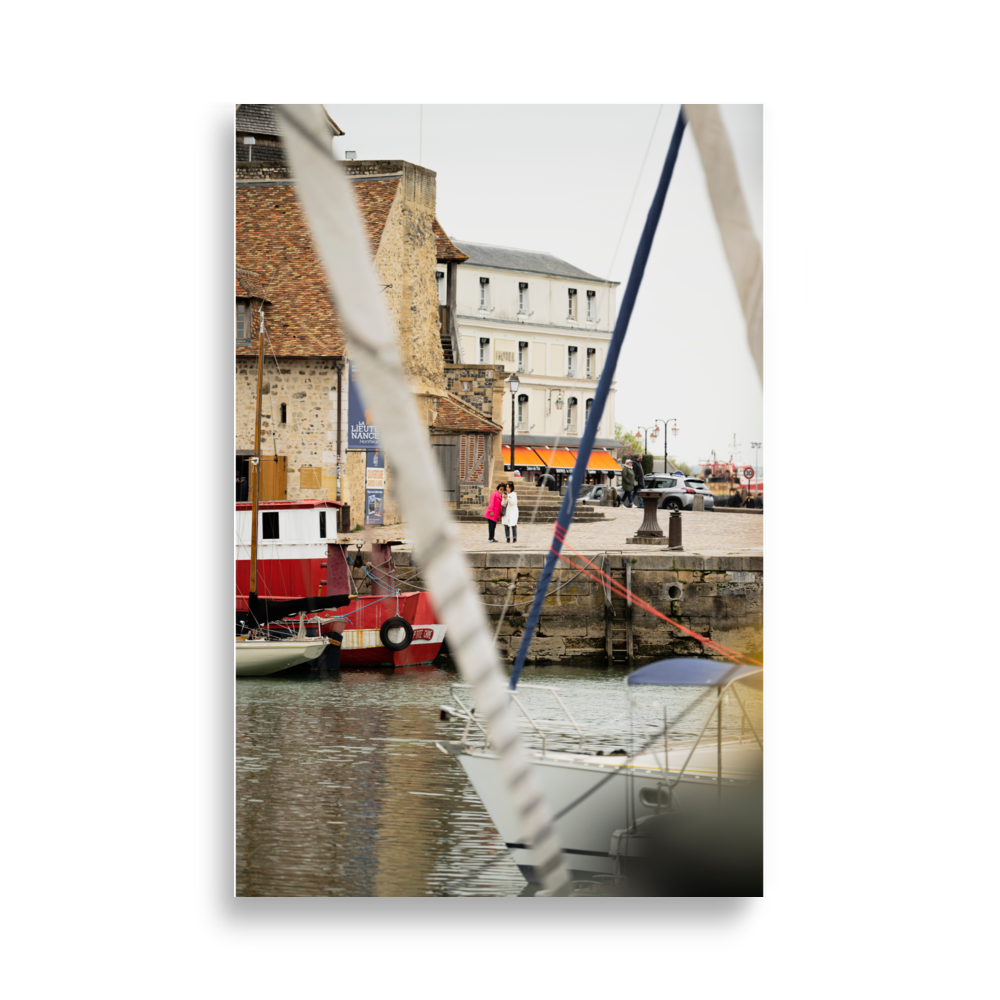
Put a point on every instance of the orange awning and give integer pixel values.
(600, 461)
(557, 458)
(526, 457)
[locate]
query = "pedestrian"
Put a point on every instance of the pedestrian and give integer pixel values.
(628, 483)
(510, 513)
(242, 488)
(640, 480)
(492, 514)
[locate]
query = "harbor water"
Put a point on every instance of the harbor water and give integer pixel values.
(341, 791)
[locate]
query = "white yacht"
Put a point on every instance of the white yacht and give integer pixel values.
(601, 800)
(260, 657)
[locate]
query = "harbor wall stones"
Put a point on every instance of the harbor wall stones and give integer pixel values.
(719, 597)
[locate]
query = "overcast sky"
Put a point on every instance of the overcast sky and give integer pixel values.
(559, 178)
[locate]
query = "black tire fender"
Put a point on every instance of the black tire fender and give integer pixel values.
(391, 624)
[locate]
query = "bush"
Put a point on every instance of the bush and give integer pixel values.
(647, 464)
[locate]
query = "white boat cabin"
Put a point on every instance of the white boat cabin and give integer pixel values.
(287, 529)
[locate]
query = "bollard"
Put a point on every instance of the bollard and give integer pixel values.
(699, 503)
(674, 530)
(345, 519)
(650, 532)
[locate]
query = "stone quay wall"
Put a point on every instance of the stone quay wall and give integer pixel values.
(720, 597)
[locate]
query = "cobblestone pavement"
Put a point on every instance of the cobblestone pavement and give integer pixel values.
(703, 533)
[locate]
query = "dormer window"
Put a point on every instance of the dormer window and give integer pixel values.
(572, 304)
(242, 323)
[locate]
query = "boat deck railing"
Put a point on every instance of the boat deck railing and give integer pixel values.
(547, 729)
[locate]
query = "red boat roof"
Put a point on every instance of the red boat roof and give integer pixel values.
(287, 504)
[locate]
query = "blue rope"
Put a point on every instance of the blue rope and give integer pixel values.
(600, 398)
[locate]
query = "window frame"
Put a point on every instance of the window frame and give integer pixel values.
(244, 306)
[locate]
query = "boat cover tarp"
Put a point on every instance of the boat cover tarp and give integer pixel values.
(262, 609)
(692, 672)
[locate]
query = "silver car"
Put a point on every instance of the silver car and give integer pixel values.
(678, 491)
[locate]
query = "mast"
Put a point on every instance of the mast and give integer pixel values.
(255, 464)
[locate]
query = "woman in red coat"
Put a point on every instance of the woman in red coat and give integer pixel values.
(492, 514)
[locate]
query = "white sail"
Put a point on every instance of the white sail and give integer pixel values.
(324, 193)
(743, 250)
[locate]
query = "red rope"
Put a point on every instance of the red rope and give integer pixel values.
(725, 651)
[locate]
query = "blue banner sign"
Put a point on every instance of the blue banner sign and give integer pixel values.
(374, 487)
(362, 434)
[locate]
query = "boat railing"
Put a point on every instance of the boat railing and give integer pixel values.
(540, 726)
(546, 729)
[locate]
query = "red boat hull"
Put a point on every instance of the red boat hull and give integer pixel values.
(361, 646)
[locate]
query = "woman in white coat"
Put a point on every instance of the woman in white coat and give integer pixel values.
(510, 512)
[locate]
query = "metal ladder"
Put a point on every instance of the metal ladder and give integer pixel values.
(617, 609)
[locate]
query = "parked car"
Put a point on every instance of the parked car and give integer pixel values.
(677, 492)
(592, 494)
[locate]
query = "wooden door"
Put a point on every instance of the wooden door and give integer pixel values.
(445, 448)
(273, 478)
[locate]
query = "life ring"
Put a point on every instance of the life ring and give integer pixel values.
(390, 625)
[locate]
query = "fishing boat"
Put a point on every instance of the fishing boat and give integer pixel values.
(296, 559)
(603, 801)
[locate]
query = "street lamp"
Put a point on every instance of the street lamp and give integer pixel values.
(672, 420)
(652, 427)
(514, 384)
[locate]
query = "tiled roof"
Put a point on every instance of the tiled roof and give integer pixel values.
(260, 119)
(251, 285)
(531, 261)
(446, 250)
(454, 414)
(374, 200)
(273, 241)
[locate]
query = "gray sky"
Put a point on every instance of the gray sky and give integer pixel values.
(559, 178)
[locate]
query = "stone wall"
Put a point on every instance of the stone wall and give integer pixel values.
(407, 263)
(486, 394)
(719, 597)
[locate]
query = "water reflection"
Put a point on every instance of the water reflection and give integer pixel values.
(340, 790)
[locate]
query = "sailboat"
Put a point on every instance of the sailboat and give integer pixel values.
(256, 653)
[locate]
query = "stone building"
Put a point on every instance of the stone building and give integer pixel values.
(279, 276)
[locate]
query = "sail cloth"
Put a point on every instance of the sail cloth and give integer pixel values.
(746, 261)
(600, 398)
(324, 193)
(262, 610)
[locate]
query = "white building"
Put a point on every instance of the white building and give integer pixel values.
(546, 320)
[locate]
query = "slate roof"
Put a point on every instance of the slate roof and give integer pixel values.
(446, 250)
(549, 441)
(529, 261)
(260, 119)
(454, 414)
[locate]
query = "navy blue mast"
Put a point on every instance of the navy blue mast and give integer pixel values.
(600, 398)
